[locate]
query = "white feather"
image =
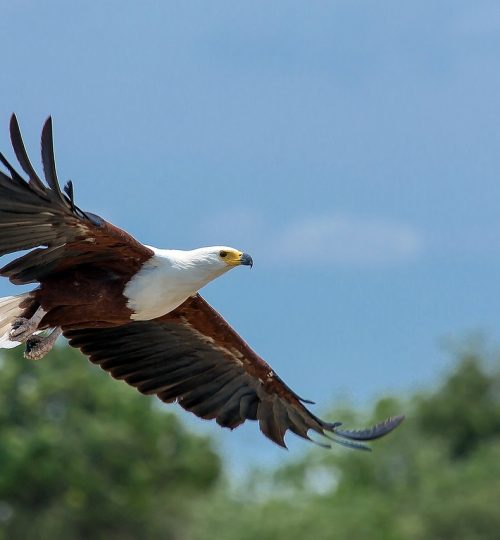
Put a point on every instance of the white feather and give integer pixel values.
(9, 311)
(170, 277)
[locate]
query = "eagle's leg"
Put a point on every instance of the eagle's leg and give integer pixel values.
(37, 347)
(23, 328)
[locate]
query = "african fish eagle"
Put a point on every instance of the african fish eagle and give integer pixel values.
(135, 310)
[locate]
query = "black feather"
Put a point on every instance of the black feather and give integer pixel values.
(22, 156)
(48, 159)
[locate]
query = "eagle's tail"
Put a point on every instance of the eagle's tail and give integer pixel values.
(11, 307)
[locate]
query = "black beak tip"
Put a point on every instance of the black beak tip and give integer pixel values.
(246, 260)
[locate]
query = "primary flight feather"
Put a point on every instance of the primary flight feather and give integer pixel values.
(135, 310)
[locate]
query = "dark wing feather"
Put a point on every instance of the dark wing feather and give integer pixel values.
(48, 160)
(22, 156)
(194, 357)
(41, 218)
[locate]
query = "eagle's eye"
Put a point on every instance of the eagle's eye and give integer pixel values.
(222, 253)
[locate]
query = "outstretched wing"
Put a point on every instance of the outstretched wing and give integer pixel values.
(194, 357)
(41, 216)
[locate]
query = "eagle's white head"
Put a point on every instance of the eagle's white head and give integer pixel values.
(171, 276)
(218, 259)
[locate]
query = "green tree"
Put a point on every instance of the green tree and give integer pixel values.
(465, 412)
(435, 478)
(82, 456)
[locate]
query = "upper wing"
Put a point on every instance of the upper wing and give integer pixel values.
(193, 356)
(33, 214)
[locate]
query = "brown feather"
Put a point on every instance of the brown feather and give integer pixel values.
(35, 215)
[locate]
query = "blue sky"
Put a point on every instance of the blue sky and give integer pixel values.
(353, 148)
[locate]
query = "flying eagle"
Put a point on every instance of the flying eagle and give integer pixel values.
(135, 310)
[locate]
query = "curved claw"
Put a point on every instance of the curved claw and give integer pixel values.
(371, 433)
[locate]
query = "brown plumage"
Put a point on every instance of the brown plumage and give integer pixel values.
(190, 355)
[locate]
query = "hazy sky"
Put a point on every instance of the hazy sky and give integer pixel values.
(352, 148)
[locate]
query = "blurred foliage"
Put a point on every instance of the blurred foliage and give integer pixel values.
(82, 456)
(436, 478)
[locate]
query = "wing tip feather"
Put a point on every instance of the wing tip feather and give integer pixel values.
(353, 439)
(372, 433)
